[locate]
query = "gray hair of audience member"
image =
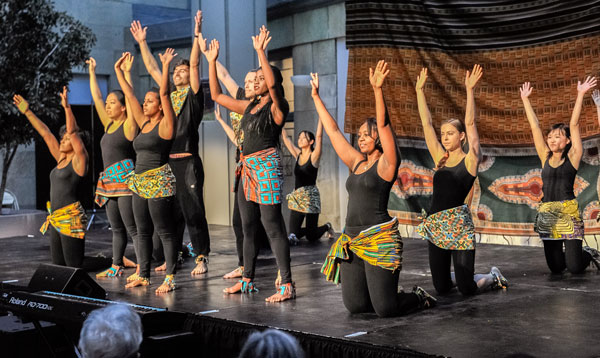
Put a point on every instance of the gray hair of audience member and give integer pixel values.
(271, 344)
(111, 332)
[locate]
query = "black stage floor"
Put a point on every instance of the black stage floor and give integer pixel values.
(541, 315)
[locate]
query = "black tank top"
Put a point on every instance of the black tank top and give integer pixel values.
(305, 174)
(186, 134)
(451, 185)
(63, 186)
(260, 130)
(115, 146)
(368, 196)
(151, 150)
(558, 182)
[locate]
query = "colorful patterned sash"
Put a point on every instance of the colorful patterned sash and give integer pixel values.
(154, 183)
(69, 220)
(305, 199)
(112, 182)
(236, 125)
(559, 220)
(379, 245)
(178, 99)
(262, 177)
(450, 229)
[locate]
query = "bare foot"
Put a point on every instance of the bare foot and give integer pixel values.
(237, 288)
(140, 281)
(244, 285)
(162, 267)
(236, 273)
(287, 292)
(168, 285)
(201, 268)
(278, 279)
(112, 271)
(128, 263)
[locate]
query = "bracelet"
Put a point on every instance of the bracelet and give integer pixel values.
(196, 36)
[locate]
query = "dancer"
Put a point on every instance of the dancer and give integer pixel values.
(66, 220)
(116, 144)
(261, 124)
(188, 103)
(367, 258)
(449, 227)
(305, 200)
(558, 221)
(152, 181)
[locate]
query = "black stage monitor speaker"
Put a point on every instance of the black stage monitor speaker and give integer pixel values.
(67, 280)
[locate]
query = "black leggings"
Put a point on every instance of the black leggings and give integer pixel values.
(464, 269)
(150, 215)
(311, 231)
(120, 216)
(573, 258)
(189, 174)
(272, 220)
(238, 230)
(66, 250)
(368, 288)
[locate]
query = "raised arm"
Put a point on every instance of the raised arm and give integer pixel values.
(389, 165)
(139, 34)
(474, 155)
(315, 157)
(576, 151)
(166, 127)
(436, 150)
(538, 137)
(97, 94)
(260, 43)
(39, 126)
(81, 157)
(134, 104)
(289, 144)
(130, 126)
(195, 54)
(348, 154)
(222, 73)
(238, 106)
(228, 130)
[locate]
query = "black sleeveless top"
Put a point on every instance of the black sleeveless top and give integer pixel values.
(451, 185)
(186, 135)
(368, 196)
(151, 150)
(63, 186)
(305, 174)
(260, 130)
(115, 146)
(558, 182)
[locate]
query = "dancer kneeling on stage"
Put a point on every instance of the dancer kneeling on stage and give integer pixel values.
(66, 220)
(262, 122)
(305, 200)
(116, 144)
(152, 181)
(449, 227)
(558, 221)
(367, 258)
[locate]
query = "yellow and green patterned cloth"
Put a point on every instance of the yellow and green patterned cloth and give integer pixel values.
(178, 99)
(305, 199)
(236, 125)
(154, 183)
(69, 220)
(559, 220)
(380, 245)
(450, 229)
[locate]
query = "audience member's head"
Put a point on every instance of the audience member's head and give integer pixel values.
(114, 331)
(271, 344)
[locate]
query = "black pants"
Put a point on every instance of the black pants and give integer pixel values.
(464, 269)
(312, 231)
(573, 258)
(368, 288)
(189, 174)
(151, 215)
(66, 250)
(272, 220)
(120, 216)
(260, 236)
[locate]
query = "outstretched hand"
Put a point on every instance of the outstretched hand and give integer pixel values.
(139, 33)
(167, 57)
(213, 51)
(526, 90)
(91, 65)
(421, 79)
(471, 78)
(202, 44)
(596, 97)
(314, 83)
(119, 63)
(21, 103)
(198, 21)
(127, 62)
(261, 40)
(218, 112)
(64, 97)
(586, 85)
(377, 76)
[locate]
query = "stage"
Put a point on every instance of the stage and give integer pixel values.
(541, 315)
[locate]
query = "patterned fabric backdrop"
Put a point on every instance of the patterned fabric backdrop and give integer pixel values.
(551, 43)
